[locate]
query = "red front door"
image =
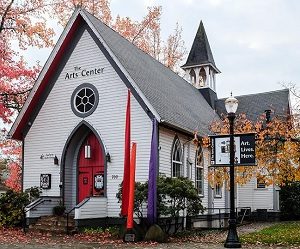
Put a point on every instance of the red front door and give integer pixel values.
(90, 169)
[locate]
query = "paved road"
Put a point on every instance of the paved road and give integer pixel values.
(187, 245)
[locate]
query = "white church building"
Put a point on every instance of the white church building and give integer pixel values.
(72, 124)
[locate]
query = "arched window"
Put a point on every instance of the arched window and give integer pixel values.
(218, 190)
(193, 77)
(199, 174)
(176, 158)
(202, 77)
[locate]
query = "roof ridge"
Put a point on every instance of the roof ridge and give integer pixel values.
(268, 92)
(131, 43)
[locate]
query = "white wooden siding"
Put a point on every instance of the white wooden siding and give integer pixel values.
(44, 207)
(55, 122)
(250, 196)
(95, 207)
(166, 139)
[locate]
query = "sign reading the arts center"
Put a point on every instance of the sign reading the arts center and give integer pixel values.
(244, 147)
(83, 72)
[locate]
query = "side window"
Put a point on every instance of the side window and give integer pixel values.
(199, 174)
(176, 158)
(218, 190)
(260, 182)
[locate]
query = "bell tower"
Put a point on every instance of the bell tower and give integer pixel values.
(200, 69)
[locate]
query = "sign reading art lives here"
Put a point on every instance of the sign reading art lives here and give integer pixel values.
(244, 146)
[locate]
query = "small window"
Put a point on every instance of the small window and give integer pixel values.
(199, 174)
(260, 182)
(193, 77)
(84, 100)
(176, 159)
(202, 77)
(218, 190)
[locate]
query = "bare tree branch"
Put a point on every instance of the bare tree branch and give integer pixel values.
(5, 14)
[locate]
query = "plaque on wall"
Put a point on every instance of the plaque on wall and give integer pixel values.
(99, 182)
(45, 181)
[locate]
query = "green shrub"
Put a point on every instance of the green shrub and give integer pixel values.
(290, 201)
(12, 206)
(59, 210)
(92, 230)
(140, 197)
(174, 195)
(111, 231)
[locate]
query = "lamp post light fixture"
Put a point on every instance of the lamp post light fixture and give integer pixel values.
(107, 156)
(87, 151)
(55, 160)
(232, 240)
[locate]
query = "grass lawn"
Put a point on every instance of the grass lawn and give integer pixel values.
(284, 233)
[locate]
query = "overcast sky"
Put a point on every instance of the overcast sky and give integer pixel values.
(255, 43)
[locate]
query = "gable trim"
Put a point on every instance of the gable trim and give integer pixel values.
(201, 65)
(22, 123)
(120, 73)
(53, 78)
(22, 120)
(127, 78)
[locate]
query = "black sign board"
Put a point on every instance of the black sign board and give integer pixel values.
(244, 145)
(247, 149)
(45, 181)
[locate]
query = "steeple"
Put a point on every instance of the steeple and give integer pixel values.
(200, 67)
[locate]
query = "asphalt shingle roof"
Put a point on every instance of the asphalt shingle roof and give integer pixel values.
(177, 102)
(200, 52)
(255, 105)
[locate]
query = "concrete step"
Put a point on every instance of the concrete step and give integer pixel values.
(53, 224)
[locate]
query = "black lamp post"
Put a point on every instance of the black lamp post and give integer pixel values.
(232, 240)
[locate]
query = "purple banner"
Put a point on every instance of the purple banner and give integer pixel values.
(152, 182)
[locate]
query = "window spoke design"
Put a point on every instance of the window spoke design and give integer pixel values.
(84, 100)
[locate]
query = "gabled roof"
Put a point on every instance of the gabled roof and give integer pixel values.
(176, 101)
(255, 105)
(200, 53)
(22, 121)
(170, 98)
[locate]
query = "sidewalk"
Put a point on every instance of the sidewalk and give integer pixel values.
(188, 245)
(12, 239)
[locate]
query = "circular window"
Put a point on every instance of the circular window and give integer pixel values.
(84, 100)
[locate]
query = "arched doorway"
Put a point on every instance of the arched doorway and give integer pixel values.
(90, 168)
(83, 177)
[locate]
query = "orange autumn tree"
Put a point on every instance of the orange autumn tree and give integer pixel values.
(12, 152)
(22, 24)
(277, 150)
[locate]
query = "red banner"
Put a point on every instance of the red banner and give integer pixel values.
(131, 187)
(125, 189)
